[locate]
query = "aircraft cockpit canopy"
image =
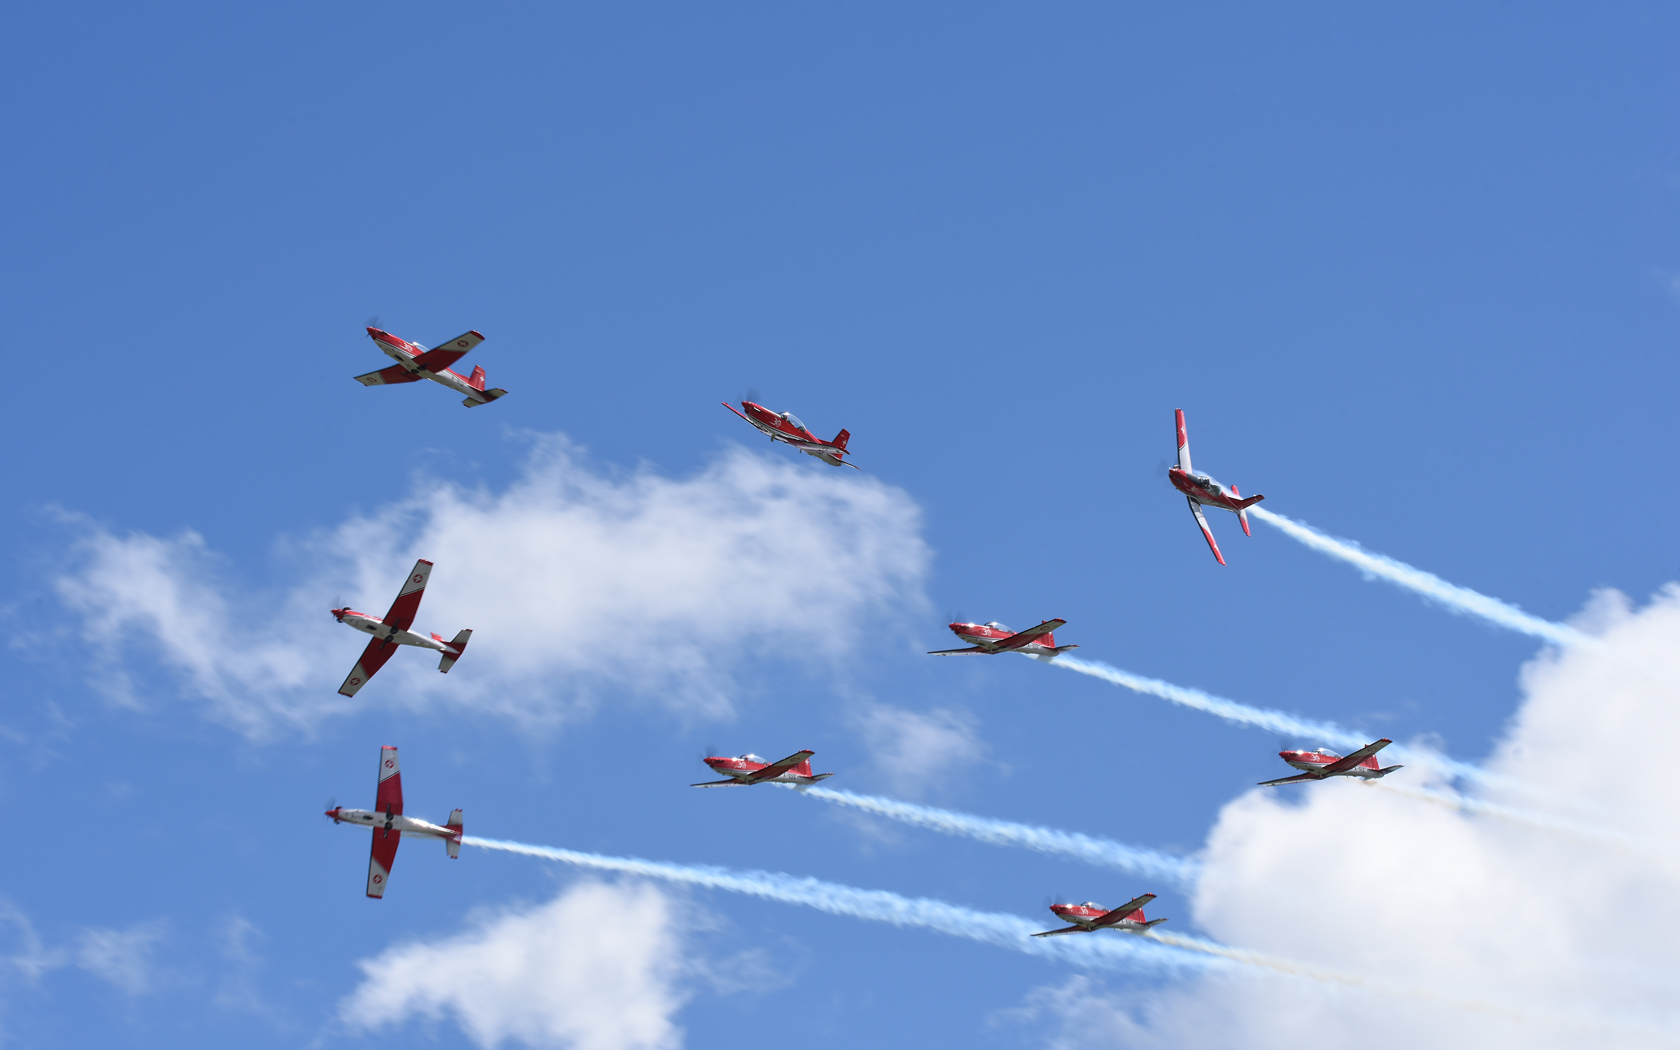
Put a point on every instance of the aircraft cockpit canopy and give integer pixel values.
(795, 420)
(1000, 627)
(750, 757)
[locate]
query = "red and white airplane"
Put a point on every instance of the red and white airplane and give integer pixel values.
(1091, 917)
(785, 426)
(393, 630)
(389, 824)
(1202, 490)
(415, 362)
(1038, 642)
(1321, 764)
(750, 769)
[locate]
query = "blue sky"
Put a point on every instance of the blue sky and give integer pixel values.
(1411, 273)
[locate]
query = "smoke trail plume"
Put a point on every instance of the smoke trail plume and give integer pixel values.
(999, 930)
(1459, 599)
(1642, 844)
(1155, 952)
(1144, 862)
(1260, 717)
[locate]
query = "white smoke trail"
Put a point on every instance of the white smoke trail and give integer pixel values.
(999, 930)
(1144, 862)
(1154, 952)
(1459, 599)
(1260, 717)
(1646, 845)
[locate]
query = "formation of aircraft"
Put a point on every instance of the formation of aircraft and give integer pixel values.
(787, 427)
(393, 630)
(1202, 491)
(389, 825)
(745, 770)
(1321, 764)
(994, 637)
(387, 821)
(1091, 917)
(415, 362)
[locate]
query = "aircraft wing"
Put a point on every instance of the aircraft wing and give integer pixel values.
(379, 864)
(1031, 634)
(407, 605)
(776, 769)
(1196, 509)
(1065, 929)
(372, 659)
(719, 783)
(385, 376)
(1183, 442)
(1112, 917)
(390, 782)
(1290, 780)
(443, 355)
(970, 651)
(1347, 762)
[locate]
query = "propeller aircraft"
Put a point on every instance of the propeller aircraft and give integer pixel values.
(1091, 917)
(393, 630)
(415, 362)
(389, 824)
(789, 428)
(1202, 490)
(746, 770)
(1321, 764)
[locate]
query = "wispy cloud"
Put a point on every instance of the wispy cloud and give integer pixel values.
(576, 582)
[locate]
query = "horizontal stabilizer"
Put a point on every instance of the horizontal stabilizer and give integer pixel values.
(459, 644)
(1244, 504)
(1386, 770)
(484, 398)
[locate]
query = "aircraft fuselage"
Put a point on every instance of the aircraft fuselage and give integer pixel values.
(1204, 490)
(380, 629)
(393, 822)
(1087, 914)
(1315, 761)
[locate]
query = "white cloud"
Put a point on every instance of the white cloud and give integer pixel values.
(597, 968)
(913, 752)
(122, 957)
(576, 583)
(1556, 943)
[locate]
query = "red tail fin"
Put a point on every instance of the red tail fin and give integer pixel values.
(476, 380)
(803, 769)
(840, 440)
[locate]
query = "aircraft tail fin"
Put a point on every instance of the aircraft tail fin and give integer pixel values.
(840, 440)
(476, 380)
(1244, 504)
(484, 397)
(459, 644)
(803, 769)
(454, 845)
